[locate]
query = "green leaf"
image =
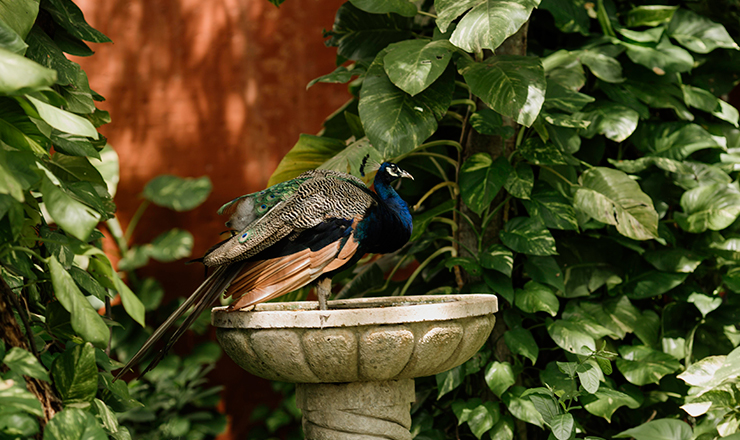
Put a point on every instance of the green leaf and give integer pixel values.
(75, 375)
(674, 260)
(20, 75)
(520, 181)
(413, 65)
(63, 120)
(652, 15)
(521, 407)
(571, 337)
(614, 121)
(661, 59)
(16, 396)
(652, 283)
(172, 245)
(359, 35)
(70, 17)
(483, 417)
(488, 122)
(611, 197)
(712, 207)
(511, 85)
(563, 98)
(648, 36)
(23, 362)
(589, 376)
(499, 284)
(661, 429)
(540, 153)
(545, 270)
(74, 424)
(528, 236)
(131, 302)
(73, 216)
(545, 405)
(486, 25)
(602, 66)
(19, 15)
(675, 140)
(308, 153)
(481, 178)
(642, 365)
(400, 7)
(643, 163)
(394, 121)
(535, 297)
(551, 208)
(177, 193)
(498, 258)
(705, 303)
(449, 380)
(18, 425)
(85, 320)
(499, 377)
(570, 16)
(520, 341)
(606, 401)
(698, 33)
(562, 426)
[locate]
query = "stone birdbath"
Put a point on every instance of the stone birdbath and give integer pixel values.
(354, 364)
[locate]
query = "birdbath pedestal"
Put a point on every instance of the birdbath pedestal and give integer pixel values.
(354, 364)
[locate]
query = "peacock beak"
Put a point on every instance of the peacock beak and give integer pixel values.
(406, 174)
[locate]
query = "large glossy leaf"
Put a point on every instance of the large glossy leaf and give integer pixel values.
(521, 407)
(10, 40)
(551, 208)
(535, 297)
(70, 17)
(308, 153)
(651, 15)
(177, 193)
(604, 67)
(606, 401)
(85, 320)
(498, 258)
(172, 245)
(520, 181)
(698, 33)
(400, 7)
(545, 270)
(614, 121)
(19, 15)
(394, 121)
(569, 15)
(74, 424)
(652, 283)
(712, 207)
(674, 260)
(642, 365)
(481, 178)
(487, 23)
(73, 216)
(359, 35)
(541, 153)
(63, 120)
(611, 197)
(661, 429)
(23, 362)
(521, 342)
(675, 140)
(488, 122)
(413, 65)
(483, 417)
(19, 398)
(511, 85)
(528, 236)
(499, 377)
(662, 58)
(562, 426)
(563, 98)
(571, 336)
(20, 75)
(75, 375)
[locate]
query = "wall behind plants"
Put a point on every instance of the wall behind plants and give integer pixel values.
(217, 89)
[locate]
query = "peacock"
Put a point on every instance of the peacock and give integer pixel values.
(291, 234)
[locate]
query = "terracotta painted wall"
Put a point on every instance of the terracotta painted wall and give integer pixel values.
(211, 88)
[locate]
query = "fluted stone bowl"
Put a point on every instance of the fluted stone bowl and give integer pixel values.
(356, 340)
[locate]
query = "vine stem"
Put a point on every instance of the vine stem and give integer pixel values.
(135, 220)
(22, 312)
(426, 262)
(426, 14)
(435, 188)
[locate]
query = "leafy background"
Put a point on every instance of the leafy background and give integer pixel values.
(587, 178)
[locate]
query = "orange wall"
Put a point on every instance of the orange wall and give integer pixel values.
(211, 88)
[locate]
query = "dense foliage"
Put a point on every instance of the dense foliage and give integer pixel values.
(57, 178)
(579, 160)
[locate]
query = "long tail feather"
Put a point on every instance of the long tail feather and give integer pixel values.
(202, 298)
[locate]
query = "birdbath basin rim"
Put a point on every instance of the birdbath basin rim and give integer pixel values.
(357, 312)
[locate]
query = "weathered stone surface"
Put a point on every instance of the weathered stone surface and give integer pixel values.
(332, 354)
(385, 351)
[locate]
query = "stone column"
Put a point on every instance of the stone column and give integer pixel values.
(356, 410)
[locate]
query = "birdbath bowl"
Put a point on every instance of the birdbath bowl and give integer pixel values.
(354, 364)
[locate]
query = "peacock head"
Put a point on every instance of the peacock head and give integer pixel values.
(388, 172)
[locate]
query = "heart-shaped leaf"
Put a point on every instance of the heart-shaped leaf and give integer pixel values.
(413, 65)
(528, 236)
(481, 178)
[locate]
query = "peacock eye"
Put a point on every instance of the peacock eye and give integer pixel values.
(244, 235)
(272, 196)
(263, 207)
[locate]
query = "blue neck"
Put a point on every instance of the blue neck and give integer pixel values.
(392, 200)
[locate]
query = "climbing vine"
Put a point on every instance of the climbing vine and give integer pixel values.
(579, 160)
